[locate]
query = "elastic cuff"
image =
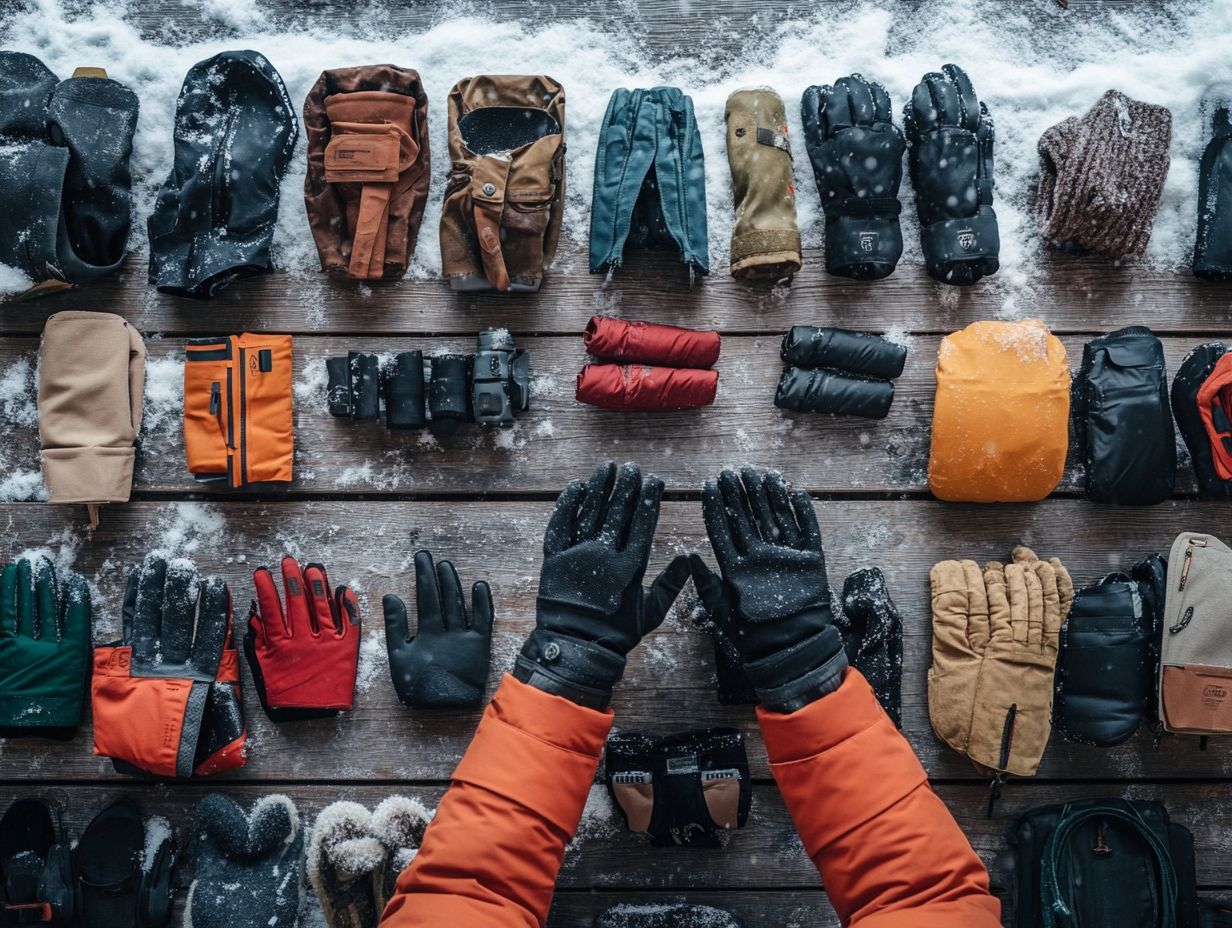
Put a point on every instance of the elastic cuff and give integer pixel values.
(961, 251)
(580, 671)
(863, 247)
(88, 475)
(772, 253)
(806, 689)
(772, 671)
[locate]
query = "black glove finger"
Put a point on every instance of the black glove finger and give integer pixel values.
(710, 591)
(397, 626)
(860, 99)
(483, 613)
(924, 115)
(431, 616)
(717, 527)
(45, 600)
(453, 606)
(810, 531)
(562, 524)
(27, 614)
(625, 495)
(785, 516)
(180, 602)
(128, 611)
(945, 100)
(213, 624)
(737, 509)
(812, 113)
(968, 102)
(644, 520)
(148, 617)
(881, 102)
(838, 109)
(763, 519)
(663, 592)
(594, 501)
(346, 607)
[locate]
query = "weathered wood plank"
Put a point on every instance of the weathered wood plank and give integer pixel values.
(766, 853)
(558, 439)
(1072, 294)
(669, 681)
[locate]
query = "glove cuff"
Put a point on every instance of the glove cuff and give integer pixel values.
(789, 680)
(580, 671)
(865, 241)
(961, 251)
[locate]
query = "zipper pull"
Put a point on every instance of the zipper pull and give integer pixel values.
(215, 398)
(1193, 543)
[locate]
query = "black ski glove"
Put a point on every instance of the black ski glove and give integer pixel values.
(592, 610)
(1213, 252)
(247, 864)
(857, 155)
(873, 637)
(36, 868)
(951, 136)
(768, 546)
(734, 688)
(354, 386)
(445, 664)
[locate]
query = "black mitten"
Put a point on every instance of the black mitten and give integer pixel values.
(843, 350)
(35, 866)
(123, 870)
(873, 636)
(403, 385)
(857, 155)
(445, 664)
(803, 389)
(354, 386)
(1213, 251)
(247, 864)
(951, 136)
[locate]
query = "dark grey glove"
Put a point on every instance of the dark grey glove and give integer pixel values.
(768, 545)
(592, 610)
(951, 136)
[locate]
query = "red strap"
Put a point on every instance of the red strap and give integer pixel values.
(41, 911)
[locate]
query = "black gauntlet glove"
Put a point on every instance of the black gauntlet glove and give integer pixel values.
(768, 546)
(592, 610)
(354, 386)
(445, 664)
(857, 155)
(951, 136)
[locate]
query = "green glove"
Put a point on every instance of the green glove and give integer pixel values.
(44, 649)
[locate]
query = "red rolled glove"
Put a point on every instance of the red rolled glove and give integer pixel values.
(303, 659)
(650, 343)
(641, 388)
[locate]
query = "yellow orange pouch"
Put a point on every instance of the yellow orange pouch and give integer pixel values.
(1001, 419)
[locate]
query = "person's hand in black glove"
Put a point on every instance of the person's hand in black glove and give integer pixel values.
(734, 688)
(951, 136)
(445, 664)
(768, 546)
(857, 155)
(592, 610)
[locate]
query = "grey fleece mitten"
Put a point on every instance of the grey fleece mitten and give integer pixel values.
(355, 856)
(91, 384)
(1102, 176)
(247, 865)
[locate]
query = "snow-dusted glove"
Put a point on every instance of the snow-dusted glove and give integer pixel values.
(951, 136)
(873, 637)
(1213, 252)
(247, 865)
(355, 856)
(857, 155)
(734, 687)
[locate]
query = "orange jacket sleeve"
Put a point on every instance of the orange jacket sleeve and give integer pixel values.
(889, 852)
(491, 855)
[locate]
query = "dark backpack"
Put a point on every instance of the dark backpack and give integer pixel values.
(1123, 419)
(1102, 863)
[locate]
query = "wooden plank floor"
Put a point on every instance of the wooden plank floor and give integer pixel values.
(365, 500)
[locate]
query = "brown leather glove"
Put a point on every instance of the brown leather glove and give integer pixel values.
(368, 168)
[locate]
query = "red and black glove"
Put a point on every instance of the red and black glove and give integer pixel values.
(302, 659)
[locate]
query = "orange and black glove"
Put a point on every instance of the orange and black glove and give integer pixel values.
(166, 698)
(303, 659)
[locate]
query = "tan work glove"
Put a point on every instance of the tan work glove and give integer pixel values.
(1011, 718)
(960, 636)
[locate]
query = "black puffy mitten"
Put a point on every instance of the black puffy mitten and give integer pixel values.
(247, 865)
(951, 137)
(857, 155)
(873, 636)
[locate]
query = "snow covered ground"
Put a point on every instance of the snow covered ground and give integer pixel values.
(1031, 79)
